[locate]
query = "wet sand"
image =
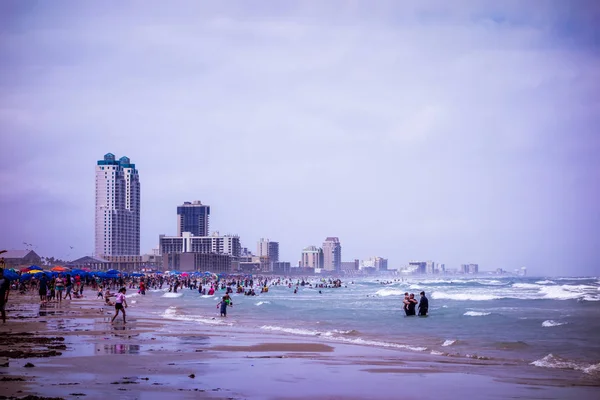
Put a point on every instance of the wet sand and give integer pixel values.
(75, 352)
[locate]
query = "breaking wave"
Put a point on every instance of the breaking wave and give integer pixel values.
(552, 361)
(339, 336)
(550, 323)
(476, 313)
(464, 296)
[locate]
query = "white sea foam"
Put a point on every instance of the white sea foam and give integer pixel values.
(172, 295)
(260, 303)
(389, 292)
(525, 286)
(434, 281)
(476, 313)
(294, 331)
(558, 293)
(545, 282)
(133, 301)
(436, 353)
(591, 298)
(448, 342)
(464, 296)
(492, 282)
(331, 335)
(551, 361)
(171, 313)
(550, 323)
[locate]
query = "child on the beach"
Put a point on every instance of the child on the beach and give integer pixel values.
(120, 304)
(107, 297)
(223, 304)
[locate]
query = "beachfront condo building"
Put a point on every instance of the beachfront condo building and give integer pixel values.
(193, 217)
(332, 254)
(187, 252)
(117, 217)
(312, 257)
(268, 248)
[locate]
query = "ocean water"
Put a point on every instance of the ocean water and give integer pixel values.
(548, 323)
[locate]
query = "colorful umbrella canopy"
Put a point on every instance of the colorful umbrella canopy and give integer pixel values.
(58, 268)
(31, 267)
(33, 271)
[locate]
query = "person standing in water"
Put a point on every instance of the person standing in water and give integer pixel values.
(405, 303)
(120, 301)
(411, 305)
(224, 303)
(423, 305)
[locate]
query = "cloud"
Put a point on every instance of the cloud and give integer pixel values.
(422, 130)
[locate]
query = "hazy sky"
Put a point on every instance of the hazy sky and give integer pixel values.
(455, 131)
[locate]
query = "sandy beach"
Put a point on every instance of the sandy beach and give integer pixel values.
(73, 351)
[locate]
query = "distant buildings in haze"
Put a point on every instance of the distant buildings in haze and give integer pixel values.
(332, 254)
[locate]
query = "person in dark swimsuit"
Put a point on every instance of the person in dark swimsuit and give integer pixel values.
(412, 303)
(423, 305)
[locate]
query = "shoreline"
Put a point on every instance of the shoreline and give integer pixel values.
(145, 358)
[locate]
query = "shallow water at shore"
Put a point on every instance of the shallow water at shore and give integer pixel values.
(545, 323)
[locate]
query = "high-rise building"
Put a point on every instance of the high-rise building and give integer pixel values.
(193, 217)
(117, 220)
(469, 268)
(332, 254)
(268, 248)
(312, 257)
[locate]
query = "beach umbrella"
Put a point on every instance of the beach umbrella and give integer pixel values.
(58, 268)
(11, 275)
(113, 272)
(32, 272)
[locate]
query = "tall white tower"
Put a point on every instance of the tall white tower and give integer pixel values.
(117, 228)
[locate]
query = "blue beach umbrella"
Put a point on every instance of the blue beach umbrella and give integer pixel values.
(11, 275)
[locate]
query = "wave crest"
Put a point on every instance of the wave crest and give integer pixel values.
(476, 313)
(550, 323)
(464, 296)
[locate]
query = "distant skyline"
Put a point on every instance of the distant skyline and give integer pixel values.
(458, 132)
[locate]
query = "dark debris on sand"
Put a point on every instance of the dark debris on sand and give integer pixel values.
(31, 397)
(28, 345)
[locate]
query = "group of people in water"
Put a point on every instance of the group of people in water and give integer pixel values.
(410, 305)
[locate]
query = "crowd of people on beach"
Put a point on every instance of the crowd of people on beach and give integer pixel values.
(63, 286)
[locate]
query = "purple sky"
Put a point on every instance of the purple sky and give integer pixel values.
(455, 131)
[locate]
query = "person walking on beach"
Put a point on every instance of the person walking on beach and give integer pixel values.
(423, 305)
(69, 286)
(43, 291)
(120, 301)
(4, 290)
(59, 285)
